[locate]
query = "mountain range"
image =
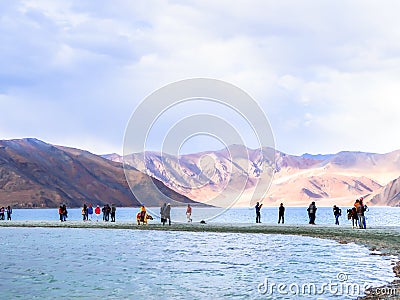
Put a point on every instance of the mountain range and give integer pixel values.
(217, 177)
(36, 174)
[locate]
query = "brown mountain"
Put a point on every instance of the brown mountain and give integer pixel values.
(390, 194)
(37, 174)
(220, 175)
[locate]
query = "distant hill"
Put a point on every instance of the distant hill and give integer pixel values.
(37, 174)
(327, 179)
(390, 194)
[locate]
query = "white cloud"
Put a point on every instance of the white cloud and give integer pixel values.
(326, 73)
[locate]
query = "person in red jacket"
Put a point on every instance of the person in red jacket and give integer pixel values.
(61, 213)
(97, 212)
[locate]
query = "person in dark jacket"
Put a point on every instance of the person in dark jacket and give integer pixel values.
(84, 212)
(113, 210)
(337, 212)
(65, 212)
(258, 212)
(312, 211)
(162, 213)
(281, 214)
(9, 212)
(167, 213)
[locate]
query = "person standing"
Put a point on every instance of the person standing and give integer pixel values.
(84, 212)
(281, 214)
(65, 212)
(2, 210)
(90, 212)
(258, 212)
(189, 213)
(113, 210)
(108, 211)
(103, 210)
(361, 208)
(61, 213)
(337, 212)
(167, 213)
(9, 212)
(97, 211)
(162, 213)
(312, 210)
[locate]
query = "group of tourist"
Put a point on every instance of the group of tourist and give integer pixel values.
(3, 211)
(87, 212)
(356, 214)
(165, 213)
(281, 213)
(63, 212)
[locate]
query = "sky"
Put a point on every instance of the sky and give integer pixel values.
(325, 73)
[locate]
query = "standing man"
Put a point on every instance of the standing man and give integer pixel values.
(189, 213)
(258, 212)
(108, 211)
(361, 208)
(113, 210)
(167, 213)
(65, 212)
(281, 214)
(61, 213)
(312, 210)
(162, 213)
(9, 212)
(337, 212)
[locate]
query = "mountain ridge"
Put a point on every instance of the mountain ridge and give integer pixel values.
(36, 174)
(332, 178)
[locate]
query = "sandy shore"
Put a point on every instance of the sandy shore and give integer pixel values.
(386, 240)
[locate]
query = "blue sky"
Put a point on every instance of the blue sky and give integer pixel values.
(326, 73)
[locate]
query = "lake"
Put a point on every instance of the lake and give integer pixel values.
(90, 263)
(54, 263)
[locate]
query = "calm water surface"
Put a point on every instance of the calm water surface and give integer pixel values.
(55, 263)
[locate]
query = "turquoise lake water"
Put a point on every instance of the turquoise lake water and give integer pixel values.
(51, 263)
(65, 263)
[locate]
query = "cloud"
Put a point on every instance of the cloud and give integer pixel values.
(325, 73)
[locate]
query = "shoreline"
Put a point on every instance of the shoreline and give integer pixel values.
(383, 239)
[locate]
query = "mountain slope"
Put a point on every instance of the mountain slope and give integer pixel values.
(221, 175)
(390, 194)
(37, 174)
